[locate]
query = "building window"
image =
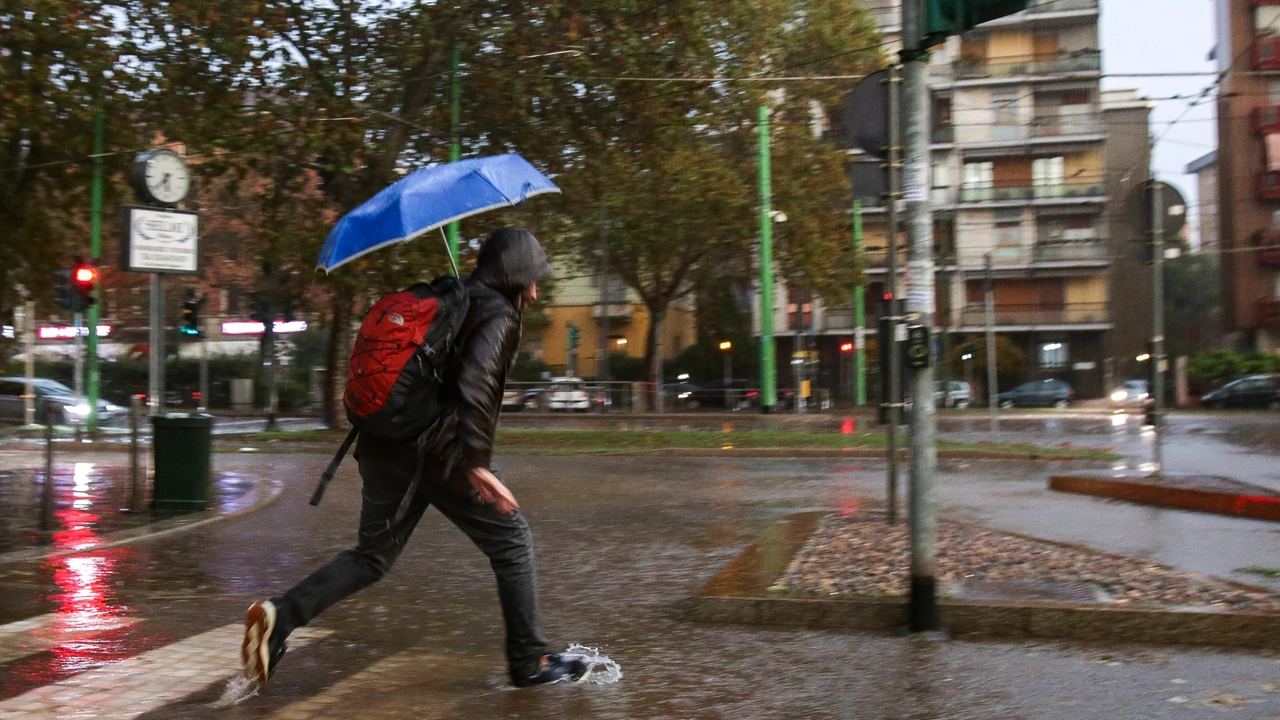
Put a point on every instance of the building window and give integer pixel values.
(799, 310)
(1266, 20)
(1048, 176)
(1053, 355)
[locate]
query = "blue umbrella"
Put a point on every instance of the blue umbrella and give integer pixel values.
(431, 198)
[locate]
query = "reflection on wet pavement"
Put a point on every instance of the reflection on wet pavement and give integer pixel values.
(89, 500)
(621, 541)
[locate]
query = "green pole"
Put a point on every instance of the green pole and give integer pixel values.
(95, 254)
(859, 316)
(455, 146)
(768, 371)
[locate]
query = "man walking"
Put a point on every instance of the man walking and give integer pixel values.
(504, 283)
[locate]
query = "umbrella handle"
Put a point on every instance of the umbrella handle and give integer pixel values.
(449, 251)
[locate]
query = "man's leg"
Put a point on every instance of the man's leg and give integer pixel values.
(376, 550)
(508, 542)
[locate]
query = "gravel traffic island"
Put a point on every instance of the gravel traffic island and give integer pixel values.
(859, 555)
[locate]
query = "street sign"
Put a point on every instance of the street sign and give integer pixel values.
(159, 241)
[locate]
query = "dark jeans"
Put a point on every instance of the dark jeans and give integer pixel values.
(506, 539)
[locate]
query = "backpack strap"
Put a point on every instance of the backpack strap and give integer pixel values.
(333, 466)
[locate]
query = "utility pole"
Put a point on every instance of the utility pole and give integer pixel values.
(989, 305)
(768, 370)
(1157, 317)
(77, 322)
(859, 317)
(29, 363)
(455, 144)
(922, 605)
(894, 401)
(92, 369)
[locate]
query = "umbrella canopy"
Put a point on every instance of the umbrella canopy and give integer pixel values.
(431, 198)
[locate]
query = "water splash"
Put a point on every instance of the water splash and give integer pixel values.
(238, 689)
(603, 668)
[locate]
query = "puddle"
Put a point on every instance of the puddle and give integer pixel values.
(604, 670)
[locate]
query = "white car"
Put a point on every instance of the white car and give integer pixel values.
(568, 393)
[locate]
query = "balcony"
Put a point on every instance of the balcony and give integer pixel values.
(1037, 192)
(1070, 251)
(614, 311)
(1058, 126)
(1266, 119)
(1269, 311)
(1080, 61)
(1269, 248)
(1267, 185)
(1037, 315)
(1266, 53)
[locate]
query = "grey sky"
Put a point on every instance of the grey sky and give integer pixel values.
(1161, 36)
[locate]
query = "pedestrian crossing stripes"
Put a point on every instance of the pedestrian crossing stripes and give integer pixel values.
(143, 683)
(44, 632)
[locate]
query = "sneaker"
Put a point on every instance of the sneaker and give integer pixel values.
(257, 656)
(555, 668)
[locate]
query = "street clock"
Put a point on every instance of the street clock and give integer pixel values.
(160, 177)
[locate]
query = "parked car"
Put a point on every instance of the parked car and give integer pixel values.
(568, 394)
(1131, 393)
(682, 395)
(517, 400)
(1254, 391)
(1038, 393)
(956, 394)
(50, 395)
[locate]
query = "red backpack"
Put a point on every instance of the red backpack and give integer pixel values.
(400, 359)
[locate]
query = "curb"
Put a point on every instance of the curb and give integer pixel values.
(169, 526)
(738, 594)
(1264, 505)
(876, 453)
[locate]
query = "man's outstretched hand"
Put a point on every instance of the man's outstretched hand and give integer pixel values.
(492, 491)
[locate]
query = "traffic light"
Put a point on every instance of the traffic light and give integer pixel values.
(954, 17)
(190, 317)
(573, 337)
(66, 298)
(260, 307)
(917, 350)
(846, 347)
(84, 278)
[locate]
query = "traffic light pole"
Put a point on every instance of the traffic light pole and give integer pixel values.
(859, 317)
(922, 605)
(95, 254)
(768, 369)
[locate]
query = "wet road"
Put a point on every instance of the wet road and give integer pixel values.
(620, 542)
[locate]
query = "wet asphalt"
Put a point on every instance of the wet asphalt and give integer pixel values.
(620, 542)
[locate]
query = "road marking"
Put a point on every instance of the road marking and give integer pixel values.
(45, 632)
(380, 680)
(148, 681)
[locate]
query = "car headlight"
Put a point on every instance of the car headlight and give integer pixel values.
(80, 409)
(111, 408)
(1119, 395)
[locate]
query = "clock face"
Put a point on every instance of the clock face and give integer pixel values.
(167, 177)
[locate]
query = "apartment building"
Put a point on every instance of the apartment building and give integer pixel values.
(1248, 170)
(603, 319)
(1019, 177)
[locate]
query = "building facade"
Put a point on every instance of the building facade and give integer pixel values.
(1248, 161)
(1019, 177)
(1205, 168)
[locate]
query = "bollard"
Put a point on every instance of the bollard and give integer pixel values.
(46, 492)
(138, 491)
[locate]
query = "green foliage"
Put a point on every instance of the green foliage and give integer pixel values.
(1220, 365)
(627, 368)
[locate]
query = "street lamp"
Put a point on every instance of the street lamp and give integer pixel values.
(726, 347)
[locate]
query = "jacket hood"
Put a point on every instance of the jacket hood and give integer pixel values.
(510, 261)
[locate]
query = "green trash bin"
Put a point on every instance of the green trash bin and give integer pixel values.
(182, 445)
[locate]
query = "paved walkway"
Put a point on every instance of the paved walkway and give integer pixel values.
(620, 542)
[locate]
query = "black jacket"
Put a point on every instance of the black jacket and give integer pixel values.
(509, 262)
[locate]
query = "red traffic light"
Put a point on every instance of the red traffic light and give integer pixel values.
(846, 347)
(85, 275)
